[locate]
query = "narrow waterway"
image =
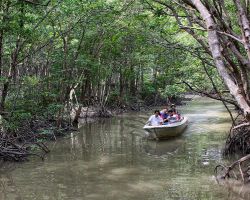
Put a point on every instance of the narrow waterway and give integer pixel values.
(110, 159)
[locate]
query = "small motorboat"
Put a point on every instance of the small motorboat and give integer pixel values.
(166, 131)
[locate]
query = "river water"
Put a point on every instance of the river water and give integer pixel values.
(110, 159)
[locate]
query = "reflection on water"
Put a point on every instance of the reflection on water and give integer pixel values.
(163, 148)
(110, 159)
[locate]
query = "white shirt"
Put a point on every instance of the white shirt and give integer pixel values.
(155, 121)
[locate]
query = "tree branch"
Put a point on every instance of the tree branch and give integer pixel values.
(210, 95)
(229, 35)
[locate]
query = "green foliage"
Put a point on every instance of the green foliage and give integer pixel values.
(148, 90)
(53, 108)
(17, 119)
(114, 50)
(173, 91)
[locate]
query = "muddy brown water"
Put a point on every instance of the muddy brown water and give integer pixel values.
(110, 159)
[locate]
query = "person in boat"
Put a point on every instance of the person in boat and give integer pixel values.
(155, 120)
(165, 109)
(176, 116)
(173, 117)
(175, 112)
(173, 108)
(164, 115)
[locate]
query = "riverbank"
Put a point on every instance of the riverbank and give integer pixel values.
(28, 140)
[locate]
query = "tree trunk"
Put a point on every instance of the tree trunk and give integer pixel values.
(245, 26)
(218, 58)
(1, 52)
(12, 69)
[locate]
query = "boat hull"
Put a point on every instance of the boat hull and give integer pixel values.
(167, 131)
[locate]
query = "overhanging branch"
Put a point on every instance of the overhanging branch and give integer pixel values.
(212, 96)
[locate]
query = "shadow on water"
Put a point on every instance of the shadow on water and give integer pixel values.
(110, 159)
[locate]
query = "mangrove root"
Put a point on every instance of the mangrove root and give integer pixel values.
(11, 151)
(240, 169)
(238, 140)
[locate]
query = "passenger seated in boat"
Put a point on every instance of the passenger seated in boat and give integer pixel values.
(173, 108)
(175, 112)
(155, 120)
(164, 115)
(165, 109)
(176, 115)
(173, 117)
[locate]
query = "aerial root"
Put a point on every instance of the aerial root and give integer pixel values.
(238, 140)
(239, 170)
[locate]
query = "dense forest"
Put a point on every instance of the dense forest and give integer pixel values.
(58, 57)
